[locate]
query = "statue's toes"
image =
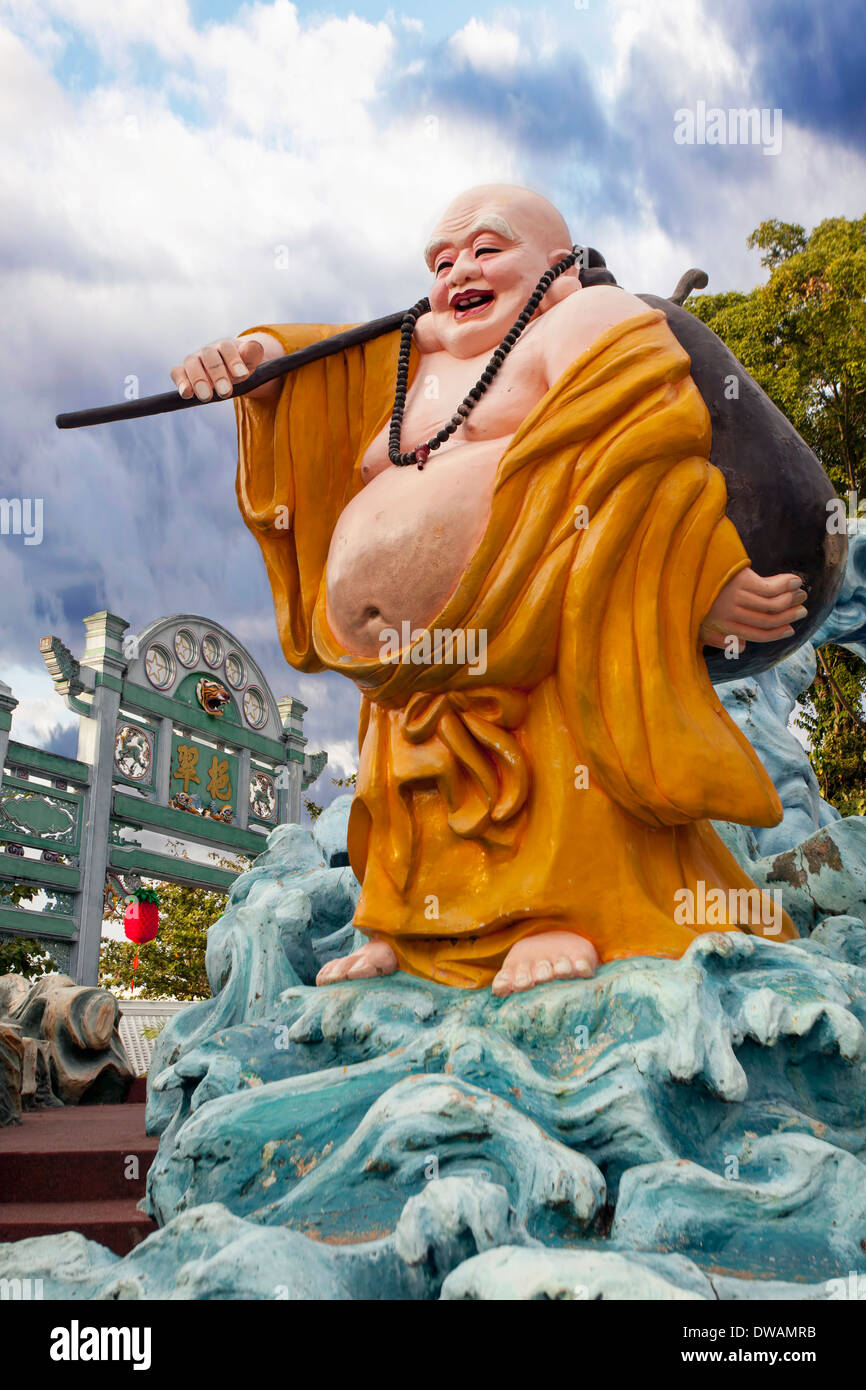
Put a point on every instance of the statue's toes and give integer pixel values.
(542, 972)
(377, 958)
(503, 984)
(362, 970)
(563, 968)
(331, 972)
(523, 978)
(582, 969)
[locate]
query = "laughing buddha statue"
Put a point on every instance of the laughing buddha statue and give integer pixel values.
(538, 480)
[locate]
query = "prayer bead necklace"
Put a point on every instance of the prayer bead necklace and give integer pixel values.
(420, 454)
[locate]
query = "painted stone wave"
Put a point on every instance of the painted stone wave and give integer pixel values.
(689, 1129)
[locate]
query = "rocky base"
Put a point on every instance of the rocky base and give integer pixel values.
(688, 1129)
(711, 1108)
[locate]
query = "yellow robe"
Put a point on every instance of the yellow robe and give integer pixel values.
(571, 785)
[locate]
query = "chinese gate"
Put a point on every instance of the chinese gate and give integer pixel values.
(179, 737)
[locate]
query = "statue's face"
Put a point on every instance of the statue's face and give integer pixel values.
(486, 256)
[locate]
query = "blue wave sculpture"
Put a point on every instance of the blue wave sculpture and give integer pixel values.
(688, 1129)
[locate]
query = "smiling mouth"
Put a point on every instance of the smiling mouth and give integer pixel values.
(471, 303)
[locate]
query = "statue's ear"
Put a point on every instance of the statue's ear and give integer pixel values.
(559, 254)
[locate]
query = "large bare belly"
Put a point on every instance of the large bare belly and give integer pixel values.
(402, 544)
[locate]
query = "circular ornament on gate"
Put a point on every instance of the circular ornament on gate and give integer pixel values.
(159, 666)
(255, 709)
(185, 646)
(263, 796)
(211, 649)
(133, 755)
(235, 670)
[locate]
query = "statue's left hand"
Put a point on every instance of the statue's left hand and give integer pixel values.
(755, 609)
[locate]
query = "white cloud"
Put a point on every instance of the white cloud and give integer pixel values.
(645, 256)
(687, 46)
(689, 34)
(41, 714)
(488, 48)
(342, 758)
(113, 27)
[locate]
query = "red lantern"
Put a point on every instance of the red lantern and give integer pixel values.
(141, 920)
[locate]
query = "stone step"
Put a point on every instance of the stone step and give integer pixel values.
(83, 1153)
(115, 1223)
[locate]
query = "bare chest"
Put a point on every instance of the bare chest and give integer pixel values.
(441, 383)
(402, 543)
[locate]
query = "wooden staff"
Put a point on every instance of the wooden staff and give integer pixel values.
(593, 271)
(172, 400)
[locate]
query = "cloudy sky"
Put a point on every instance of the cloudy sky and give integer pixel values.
(176, 172)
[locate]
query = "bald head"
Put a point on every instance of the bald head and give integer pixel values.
(486, 255)
(506, 208)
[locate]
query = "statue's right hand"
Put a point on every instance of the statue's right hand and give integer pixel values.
(217, 367)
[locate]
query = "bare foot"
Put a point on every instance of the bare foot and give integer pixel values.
(376, 958)
(552, 955)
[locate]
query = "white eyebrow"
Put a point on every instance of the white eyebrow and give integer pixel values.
(432, 247)
(492, 223)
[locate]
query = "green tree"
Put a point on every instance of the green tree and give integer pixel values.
(22, 955)
(172, 966)
(836, 730)
(802, 336)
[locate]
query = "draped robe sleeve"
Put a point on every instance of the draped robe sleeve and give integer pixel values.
(298, 466)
